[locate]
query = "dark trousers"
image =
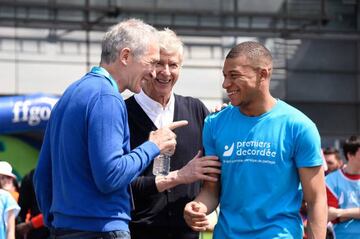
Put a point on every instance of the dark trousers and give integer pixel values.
(74, 234)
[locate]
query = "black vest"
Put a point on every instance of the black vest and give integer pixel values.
(162, 212)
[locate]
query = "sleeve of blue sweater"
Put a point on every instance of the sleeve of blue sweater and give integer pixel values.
(112, 164)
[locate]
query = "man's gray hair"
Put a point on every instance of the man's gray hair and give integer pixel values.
(131, 33)
(170, 42)
(256, 53)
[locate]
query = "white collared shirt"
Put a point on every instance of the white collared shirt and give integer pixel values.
(159, 115)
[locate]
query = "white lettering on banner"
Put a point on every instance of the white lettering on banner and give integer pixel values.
(262, 150)
(33, 112)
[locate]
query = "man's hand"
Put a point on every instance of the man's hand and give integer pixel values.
(195, 216)
(218, 107)
(200, 168)
(165, 139)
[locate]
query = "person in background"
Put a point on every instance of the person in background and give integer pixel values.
(270, 154)
(333, 160)
(14, 190)
(343, 193)
(10, 184)
(31, 223)
(9, 208)
(159, 200)
(85, 164)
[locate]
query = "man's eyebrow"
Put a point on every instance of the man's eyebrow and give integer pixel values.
(234, 72)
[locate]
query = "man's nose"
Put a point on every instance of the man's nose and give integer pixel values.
(165, 70)
(226, 83)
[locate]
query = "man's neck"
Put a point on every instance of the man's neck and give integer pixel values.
(352, 169)
(258, 108)
(161, 99)
(114, 74)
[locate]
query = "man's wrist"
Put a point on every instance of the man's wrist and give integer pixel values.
(338, 214)
(180, 179)
(167, 182)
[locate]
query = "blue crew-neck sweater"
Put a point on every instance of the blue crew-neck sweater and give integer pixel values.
(85, 164)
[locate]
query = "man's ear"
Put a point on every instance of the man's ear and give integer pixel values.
(264, 73)
(125, 55)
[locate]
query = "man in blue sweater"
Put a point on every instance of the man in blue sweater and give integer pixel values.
(85, 164)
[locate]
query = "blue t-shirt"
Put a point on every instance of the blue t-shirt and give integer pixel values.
(346, 190)
(260, 187)
(7, 203)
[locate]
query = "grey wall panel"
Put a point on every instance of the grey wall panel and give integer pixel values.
(325, 56)
(278, 88)
(321, 87)
(332, 119)
(322, 81)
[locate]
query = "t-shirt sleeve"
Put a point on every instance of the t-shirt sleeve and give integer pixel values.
(208, 140)
(331, 193)
(307, 146)
(331, 190)
(11, 204)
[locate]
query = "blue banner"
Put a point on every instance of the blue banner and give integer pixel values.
(26, 112)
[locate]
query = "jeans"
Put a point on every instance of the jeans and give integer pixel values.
(73, 234)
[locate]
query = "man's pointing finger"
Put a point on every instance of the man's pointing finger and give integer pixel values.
(177, 124)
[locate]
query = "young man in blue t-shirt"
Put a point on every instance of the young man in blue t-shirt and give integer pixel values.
(270, 154)
(343, 193)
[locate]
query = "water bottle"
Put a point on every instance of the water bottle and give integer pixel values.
(161, 165)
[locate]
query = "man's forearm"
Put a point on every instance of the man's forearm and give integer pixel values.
(10, 228)
(313, 184)
(209, 196)
(344, 214)
(350, 213)
(317, 220)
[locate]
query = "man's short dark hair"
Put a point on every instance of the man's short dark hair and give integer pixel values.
(351, 145)
(332, 150)
(256, 53)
